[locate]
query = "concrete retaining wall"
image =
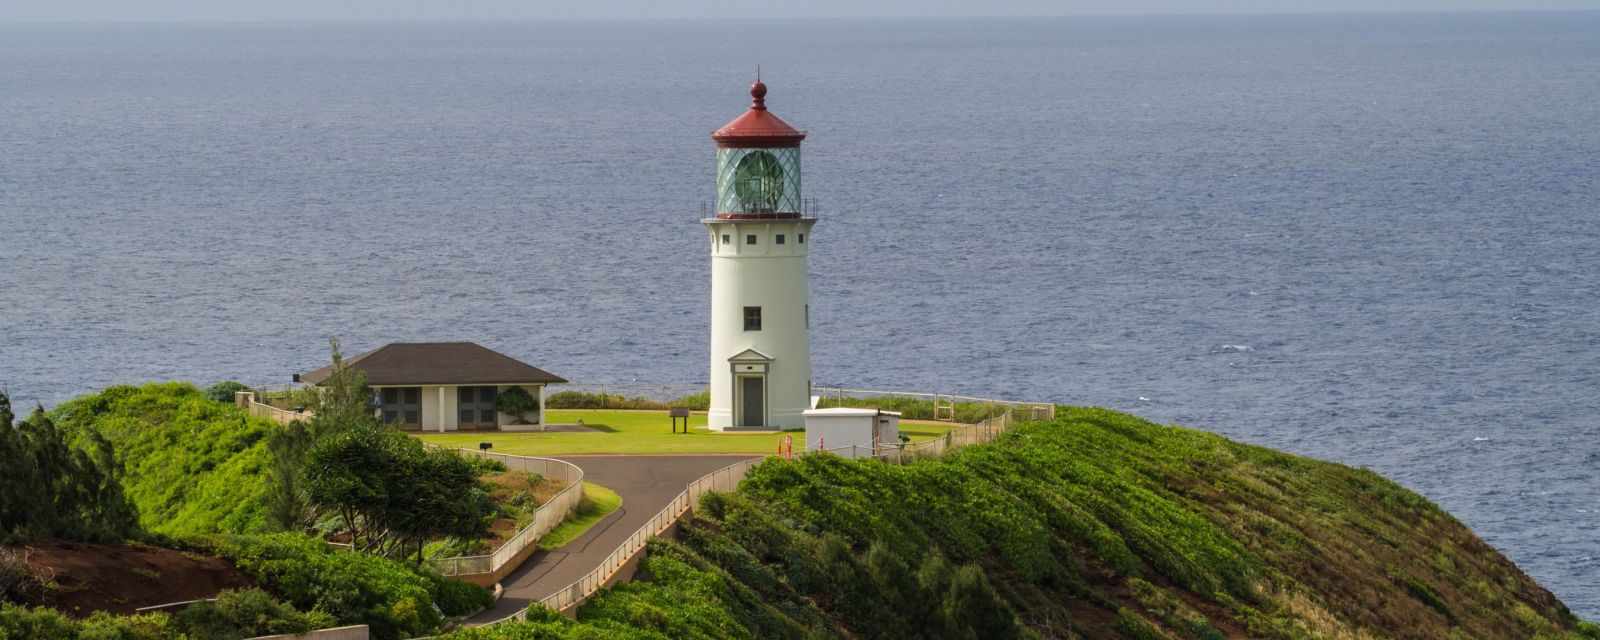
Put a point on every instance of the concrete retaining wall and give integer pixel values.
(357, 632)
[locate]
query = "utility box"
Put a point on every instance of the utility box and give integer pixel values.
(851, 432)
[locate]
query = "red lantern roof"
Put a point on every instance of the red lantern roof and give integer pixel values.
(758, 127)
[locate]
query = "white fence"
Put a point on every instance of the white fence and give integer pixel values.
(247, 401)
(548, 516)
(724, 479)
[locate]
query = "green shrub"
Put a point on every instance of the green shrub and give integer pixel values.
(695, 401)
(516, 402)
(355, 588)
(915, 408)
(223, 391)
(23, 623)
(246, 614)
(587, 400)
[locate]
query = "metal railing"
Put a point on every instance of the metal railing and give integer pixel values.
(941, 406)
(961, 436)
(724, 479)
(545, 519)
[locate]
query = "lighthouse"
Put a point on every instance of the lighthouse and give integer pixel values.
(760, 298)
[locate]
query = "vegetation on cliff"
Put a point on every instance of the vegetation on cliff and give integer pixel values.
(1095, 525)
(190, 464)
(199, 476)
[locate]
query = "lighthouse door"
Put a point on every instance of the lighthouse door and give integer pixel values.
(752, 394)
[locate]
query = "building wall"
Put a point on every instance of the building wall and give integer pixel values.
(834, 433)
(433, 412)
(773, 277)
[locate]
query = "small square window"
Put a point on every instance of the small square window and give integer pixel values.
(752, 318)
(727, 239)
(750, 239)
(800, 237)
(413, 395)
(778, 240)
(391, 396)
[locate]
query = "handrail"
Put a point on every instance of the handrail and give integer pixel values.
(546, 518)
(724, 479)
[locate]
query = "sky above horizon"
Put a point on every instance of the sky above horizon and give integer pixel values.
(206, 10)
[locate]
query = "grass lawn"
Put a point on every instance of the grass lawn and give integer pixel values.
(598, 502)
(641, 432)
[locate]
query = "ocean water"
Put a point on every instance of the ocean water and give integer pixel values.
(1369, 239)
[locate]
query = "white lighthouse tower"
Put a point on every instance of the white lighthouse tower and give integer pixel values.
(760, 311)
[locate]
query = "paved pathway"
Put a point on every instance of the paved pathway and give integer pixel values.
(646, 484)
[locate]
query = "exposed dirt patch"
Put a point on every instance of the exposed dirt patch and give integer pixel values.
(123, 577)
(514, 487)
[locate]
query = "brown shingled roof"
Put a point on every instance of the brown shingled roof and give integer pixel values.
(420, 363)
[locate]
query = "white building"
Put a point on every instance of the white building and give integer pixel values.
(445, 386)
(852, 432)
(760, 311)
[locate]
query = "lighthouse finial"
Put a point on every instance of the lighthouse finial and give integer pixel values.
(758, 92)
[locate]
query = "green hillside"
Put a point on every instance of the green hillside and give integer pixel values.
(193, 465)
(1095, 525)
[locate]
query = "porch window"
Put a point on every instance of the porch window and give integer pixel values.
(401, 405)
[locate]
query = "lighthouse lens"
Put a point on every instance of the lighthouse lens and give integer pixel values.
(758, 182)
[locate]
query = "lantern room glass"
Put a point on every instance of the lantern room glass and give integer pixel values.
(763, 180)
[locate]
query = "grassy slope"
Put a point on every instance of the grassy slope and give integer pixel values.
(1097, 525)
(598, 502)
(193, 465)
(638, 432)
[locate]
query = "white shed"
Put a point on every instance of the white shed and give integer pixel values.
(851, 432)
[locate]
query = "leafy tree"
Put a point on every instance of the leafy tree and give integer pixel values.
(342, 400)
(288, 508)
(223, 391)
(391, 493)
(50, 488)
(516, 402)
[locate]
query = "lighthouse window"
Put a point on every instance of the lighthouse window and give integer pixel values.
(752, 318)
(727, 239)
(750, 239)
(778, 240)
(800, 237)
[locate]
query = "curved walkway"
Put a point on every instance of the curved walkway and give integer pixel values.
(646, 484)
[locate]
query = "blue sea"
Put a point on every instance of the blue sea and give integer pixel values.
(1371, 239)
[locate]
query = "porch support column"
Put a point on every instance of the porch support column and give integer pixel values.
(441, 410)
(542, 421)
